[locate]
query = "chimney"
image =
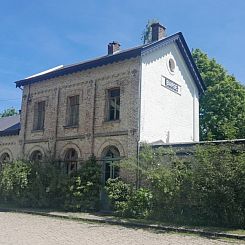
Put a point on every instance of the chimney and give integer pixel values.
(113, 47)
(157, 31)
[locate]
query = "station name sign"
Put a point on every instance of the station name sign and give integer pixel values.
(171, 85)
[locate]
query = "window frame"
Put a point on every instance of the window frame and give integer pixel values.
(36, 156)
(116, 98)
(39, 115)
(71, 161)
(72, 115)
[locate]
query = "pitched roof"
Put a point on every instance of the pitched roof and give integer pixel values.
(119, 56)
(10, 125)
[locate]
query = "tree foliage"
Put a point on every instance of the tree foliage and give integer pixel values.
(205, 188)
(146, 34)
(222, 107)
(8, 112)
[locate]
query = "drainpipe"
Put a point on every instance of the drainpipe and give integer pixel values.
(93, 120)
(56, 123)
(26, 117)
(139, 125)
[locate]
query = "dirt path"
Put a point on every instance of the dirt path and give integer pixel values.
(24, 229)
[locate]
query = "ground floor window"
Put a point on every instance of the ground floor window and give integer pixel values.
(71, 159)
(4, 159)
(36, 156)
(111, 157)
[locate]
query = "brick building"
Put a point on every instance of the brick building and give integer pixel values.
(109, 105)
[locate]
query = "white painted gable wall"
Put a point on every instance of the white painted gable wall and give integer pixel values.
(166, 115)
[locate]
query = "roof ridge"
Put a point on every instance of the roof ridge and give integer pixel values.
(120, 56)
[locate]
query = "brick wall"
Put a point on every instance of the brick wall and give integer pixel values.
(94, 133)
(10, 145)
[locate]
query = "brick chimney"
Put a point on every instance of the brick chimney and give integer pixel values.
(158, 32)
(113, 47)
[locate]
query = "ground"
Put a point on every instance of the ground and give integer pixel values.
(16, 228)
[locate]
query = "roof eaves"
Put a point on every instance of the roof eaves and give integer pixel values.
(179, 39)
(9, 133)
(190, 63)
(104, 60)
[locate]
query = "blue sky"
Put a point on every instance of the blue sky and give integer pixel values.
(38, 35)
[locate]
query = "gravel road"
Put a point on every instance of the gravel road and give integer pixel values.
(25, 229)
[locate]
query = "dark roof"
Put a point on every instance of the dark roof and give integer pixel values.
(6, 122)
(122, 55)
(10, 125)
(190, 144)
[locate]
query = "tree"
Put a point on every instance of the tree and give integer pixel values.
(8, 112)
(146, 34)
(222, 107)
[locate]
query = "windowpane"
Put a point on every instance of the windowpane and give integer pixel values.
(111, 168)
(73, 110)
(5, 158)
(36, 156)
(71, 158)
(39, 115)
(115, 93)
(114, 104)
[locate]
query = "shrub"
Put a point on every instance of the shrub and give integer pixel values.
(83, 190)
(206, 188)
(14, 182)
(45, 185)
(48, 185)
(127, 201)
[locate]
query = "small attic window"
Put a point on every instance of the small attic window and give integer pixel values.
(171, 65)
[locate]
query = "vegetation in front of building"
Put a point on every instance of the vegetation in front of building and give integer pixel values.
(46, 185)
(207, 188)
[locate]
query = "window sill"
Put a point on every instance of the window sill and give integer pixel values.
(111, 121)
(71, 126)
(37, 131)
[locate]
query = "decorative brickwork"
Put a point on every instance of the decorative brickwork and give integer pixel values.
(93, 130)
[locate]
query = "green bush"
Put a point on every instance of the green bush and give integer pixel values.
(83, 190)
(14, 182)
(45, 185)
(128, 201)
(206, 188)
(48, 185)
(218, 186)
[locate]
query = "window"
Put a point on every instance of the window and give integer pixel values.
(71, 158)
(114, 104)
(111, 158)
(39, 115)
(171, 65)
(73, 111)
(36, 156)
(5, 158)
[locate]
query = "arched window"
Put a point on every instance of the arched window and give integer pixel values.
(71, 158)
(36, 156)
(5, 158)
(111, 156)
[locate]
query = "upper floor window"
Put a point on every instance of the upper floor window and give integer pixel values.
(114, 104)
(39, 115)
(73, 111)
